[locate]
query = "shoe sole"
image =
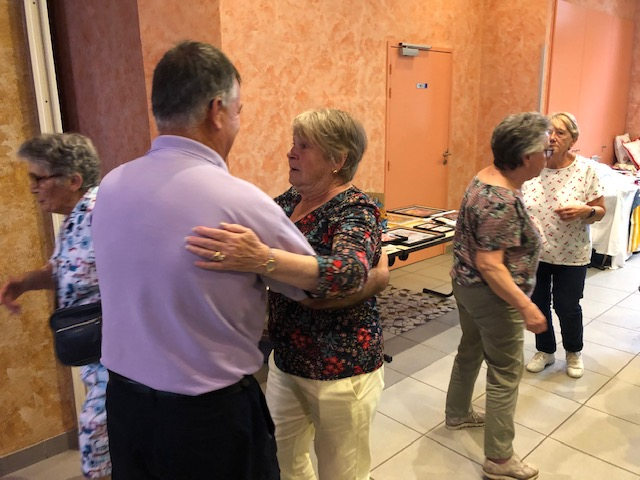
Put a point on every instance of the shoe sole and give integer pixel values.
(463, 425)
(495, 476)
(545, 366)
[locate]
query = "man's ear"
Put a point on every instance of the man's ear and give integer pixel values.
(215, 112)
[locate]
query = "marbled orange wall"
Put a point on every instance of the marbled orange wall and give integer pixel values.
(163, 24)
(514, 35)
(629, 10)
(329, 53)
(633, 112)
(35, 392)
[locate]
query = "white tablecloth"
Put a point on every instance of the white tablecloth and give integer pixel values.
(611, 234)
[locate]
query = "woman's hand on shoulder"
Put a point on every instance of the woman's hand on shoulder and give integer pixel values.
(232, 247)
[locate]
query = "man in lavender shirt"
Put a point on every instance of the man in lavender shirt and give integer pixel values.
(180, 342)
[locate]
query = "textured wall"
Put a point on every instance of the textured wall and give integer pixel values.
(35, 392)
(633, 112)
(329, 53)
(630, 10)
(513, 38)
(163, 24)
(100, 64)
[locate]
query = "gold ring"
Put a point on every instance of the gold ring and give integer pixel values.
(218, 257)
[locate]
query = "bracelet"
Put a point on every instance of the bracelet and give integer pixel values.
(593, 212)
(270, 265)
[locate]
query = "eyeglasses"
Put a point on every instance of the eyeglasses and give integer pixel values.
(548, 152)
(37, 179)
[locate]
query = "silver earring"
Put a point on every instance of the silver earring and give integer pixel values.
(335, 172)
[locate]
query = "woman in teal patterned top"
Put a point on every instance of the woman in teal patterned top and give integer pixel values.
(64, 170)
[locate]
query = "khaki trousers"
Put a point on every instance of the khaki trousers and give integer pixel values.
(337, 413)
(493, 331)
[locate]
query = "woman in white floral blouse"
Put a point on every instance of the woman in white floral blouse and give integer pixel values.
(64, 171)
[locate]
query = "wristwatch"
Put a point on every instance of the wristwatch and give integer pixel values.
(593, 212)
(270, 264)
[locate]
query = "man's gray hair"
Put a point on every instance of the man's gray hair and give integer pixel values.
(64, 154)
(185, 82)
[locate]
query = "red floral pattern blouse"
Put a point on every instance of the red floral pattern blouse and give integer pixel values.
(339, 343)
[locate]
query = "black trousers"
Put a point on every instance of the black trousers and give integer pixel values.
(565, 285)
(226, 434)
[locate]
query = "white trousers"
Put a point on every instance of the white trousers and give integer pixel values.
(338, 413)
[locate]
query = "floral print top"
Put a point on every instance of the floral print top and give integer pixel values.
(563, 243)
(494, 218)
(74, 271)
(73, 260)
(338, 343)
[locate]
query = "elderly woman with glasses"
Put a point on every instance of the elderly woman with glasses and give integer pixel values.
(563, 201)
(64, 171)
(495, 255)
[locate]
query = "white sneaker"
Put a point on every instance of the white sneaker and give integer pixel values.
(575, 367)
(539, 361)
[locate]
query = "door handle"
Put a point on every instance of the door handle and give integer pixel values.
(445, 156)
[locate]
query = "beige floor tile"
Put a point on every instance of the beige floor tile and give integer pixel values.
(413, 404)
(429, 330)
(541, 411)
(606, 295)
(391, 377)
(608, 438)
(415, 282)
(554, 379)
(612, 336)
(440, 272)
(414, 359)
(621, 317)
(469, 442)
(631, 372)
(632, 302)
(624, 279)
(426, 459)
(389, 437)
(450, 318)
(64, 466)
(593, 308)
(620, 399)
(447, 341)
(557, 461)
(438, 375)
(604, 360)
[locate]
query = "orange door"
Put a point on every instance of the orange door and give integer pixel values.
(419, 93)
(418, 105)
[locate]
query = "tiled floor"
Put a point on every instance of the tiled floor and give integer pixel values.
(587, 428)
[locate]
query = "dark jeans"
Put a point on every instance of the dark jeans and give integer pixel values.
(225, 435)
(566, 285)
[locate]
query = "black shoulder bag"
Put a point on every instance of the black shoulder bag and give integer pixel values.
(77, 334)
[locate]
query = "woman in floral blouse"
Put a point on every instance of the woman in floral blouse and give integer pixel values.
(495, 255)
(64, 170)
(563, 201)
(325, 374)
